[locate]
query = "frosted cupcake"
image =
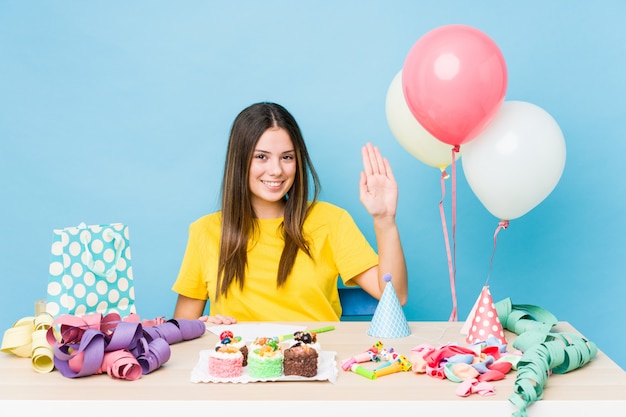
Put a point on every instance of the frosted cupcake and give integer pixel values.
(305, 338)
(228, 339)
(301, 358)
(226, 362)
(265, 359)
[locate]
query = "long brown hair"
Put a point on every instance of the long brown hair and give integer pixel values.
(239, 221)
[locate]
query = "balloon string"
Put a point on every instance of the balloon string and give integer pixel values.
(502, 225)
(444, 175)
(455, 150)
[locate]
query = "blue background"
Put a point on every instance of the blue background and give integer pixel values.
(119, 111)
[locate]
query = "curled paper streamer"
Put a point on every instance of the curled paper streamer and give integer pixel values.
(27, 339)
(124, 349)
(544, 351)
(42, 355)
(559, 353)
(121, 364)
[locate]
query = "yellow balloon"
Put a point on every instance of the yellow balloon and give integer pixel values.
(409, 132)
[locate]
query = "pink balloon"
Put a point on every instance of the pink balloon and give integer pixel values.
(454, 81)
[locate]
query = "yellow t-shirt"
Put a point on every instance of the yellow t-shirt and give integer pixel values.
(338, 247)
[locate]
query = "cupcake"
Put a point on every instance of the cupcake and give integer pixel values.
(301, 358)
(306, 338)
(228, 339)
(265, 358)
(226, 362)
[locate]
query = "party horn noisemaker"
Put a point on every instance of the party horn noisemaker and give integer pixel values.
(358, 369)
(370, 354)
(388, 356)
(401, 364)
(320, 330)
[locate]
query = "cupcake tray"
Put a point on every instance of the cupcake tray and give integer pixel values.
(326, 370)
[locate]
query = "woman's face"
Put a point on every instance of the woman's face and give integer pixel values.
(272, 172)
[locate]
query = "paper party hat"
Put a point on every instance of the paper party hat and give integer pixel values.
(483, 322)
(389, 320)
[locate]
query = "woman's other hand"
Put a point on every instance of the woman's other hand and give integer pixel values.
(218, 319)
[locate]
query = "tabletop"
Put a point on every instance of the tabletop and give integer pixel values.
(598, 387)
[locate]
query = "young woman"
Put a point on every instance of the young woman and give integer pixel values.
(274, 252)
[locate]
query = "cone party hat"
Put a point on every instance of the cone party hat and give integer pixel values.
(389, 320)
(483, 321)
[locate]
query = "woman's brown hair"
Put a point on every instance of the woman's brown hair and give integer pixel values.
(239, 221)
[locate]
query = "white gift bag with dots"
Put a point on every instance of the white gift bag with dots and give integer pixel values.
(91, 271)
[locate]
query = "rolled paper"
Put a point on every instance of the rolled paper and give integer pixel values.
(43, 359)
(42, 353)
(358, 369)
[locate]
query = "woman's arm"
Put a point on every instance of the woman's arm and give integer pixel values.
(191, 309)
(379, 195)
(188, 308)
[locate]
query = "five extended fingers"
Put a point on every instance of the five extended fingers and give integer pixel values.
(373, 161)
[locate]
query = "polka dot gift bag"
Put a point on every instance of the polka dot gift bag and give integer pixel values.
(90, 271)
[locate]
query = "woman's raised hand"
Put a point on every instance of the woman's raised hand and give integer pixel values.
(378, 187)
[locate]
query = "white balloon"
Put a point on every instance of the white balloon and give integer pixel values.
(517, 161)
(409, 132)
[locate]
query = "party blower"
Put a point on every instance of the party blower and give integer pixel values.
(401, 364)
(388, 356)
(370, 354)
(291, 335)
